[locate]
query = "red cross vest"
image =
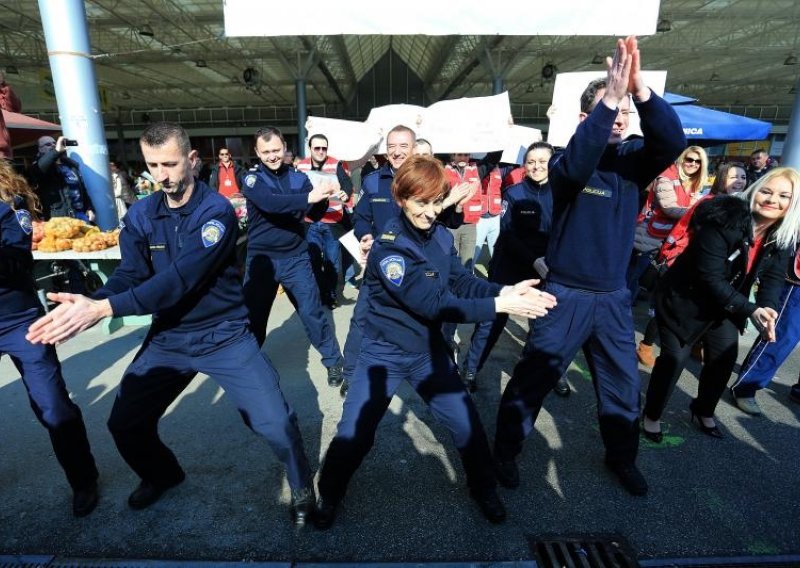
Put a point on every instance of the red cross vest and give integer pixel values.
(474, 208)
(658, 223)
(493, 198)
(335, 212)
(514, 177)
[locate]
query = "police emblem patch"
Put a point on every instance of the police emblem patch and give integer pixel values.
(25, 221)
(212, 232)
(503, 207)
(250, 180)
(394, 268)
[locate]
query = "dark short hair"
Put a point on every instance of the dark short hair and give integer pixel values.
(318, 136)
(267, 133)
(159, 133)
(590, 94)
(758, 151)
(420, 177)
(540, 145)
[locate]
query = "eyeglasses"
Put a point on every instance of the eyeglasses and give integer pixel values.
(693, 160)
(320, 148)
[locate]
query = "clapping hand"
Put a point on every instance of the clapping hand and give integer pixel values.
(765, 319)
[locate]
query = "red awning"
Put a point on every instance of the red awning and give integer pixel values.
(25, 129)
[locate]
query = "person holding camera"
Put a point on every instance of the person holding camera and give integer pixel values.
(58, 181)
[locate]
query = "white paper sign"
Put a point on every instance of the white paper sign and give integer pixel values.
(422, 17)
(348, 140)
(566, 105)
(352, 246)
(519, 139)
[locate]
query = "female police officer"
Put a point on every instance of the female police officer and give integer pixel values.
(414, 282)
(38, 364)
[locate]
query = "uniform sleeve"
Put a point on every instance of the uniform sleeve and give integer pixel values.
(194, 265)
(416, 285)
(465, 284)
(269, 201)
(345, 183)
(362, 216)
(569, 171)
(712, 260)
(16, 260)
(664, 141)
(135, 266)
(451, 218)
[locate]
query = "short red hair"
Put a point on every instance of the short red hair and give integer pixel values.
(420, 177)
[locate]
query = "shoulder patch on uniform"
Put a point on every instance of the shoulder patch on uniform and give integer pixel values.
(25, 221)
(212, 232)
(250, 180)
(387, 237)
(394, 268)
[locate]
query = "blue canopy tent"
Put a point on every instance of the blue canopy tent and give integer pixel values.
(708, 127)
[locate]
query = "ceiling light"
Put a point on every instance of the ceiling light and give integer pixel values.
(201, 63)
(145, 31)
(12, 70)
(790, 60)
(597, 59)
(664, 25)
(792, 91)
(530, 88)
(714, 77)
(126, 95)
(549, 71)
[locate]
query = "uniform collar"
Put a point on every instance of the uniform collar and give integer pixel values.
(278, 173)
(417, 235)
(161, 209)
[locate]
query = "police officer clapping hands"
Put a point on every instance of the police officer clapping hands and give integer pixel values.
(523, 300)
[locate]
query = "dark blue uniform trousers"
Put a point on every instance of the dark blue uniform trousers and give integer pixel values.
(765, 358)
(602, 324)
(41, 373)
(326, 256)
(380, 369)
(355, 334)
(262, 277)
(163, 368)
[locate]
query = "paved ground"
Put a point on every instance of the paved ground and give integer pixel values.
(408, 503)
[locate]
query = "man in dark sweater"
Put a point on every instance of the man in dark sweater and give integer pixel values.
(596, 183)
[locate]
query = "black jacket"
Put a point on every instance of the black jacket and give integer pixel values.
(709, 281)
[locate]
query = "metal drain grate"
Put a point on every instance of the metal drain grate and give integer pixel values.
(583, 551)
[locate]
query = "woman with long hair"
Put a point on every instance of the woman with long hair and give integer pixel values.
(705, 293)
(670, 196)
(37, 363)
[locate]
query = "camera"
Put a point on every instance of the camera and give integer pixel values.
(68, 142)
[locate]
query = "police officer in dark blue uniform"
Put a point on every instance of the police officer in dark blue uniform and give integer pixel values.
(525, 223)
(179, 263)
(374, 209)
(595, 184)
(38, 364)
(278, 197)
(414, 282)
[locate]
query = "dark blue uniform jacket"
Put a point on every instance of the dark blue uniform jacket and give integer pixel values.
(178, 264)
(276, 205)
(596, 194)
(415, 282)
(17, 288)
(525, 225)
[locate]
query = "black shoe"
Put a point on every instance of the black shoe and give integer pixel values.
(343, 388)
(491, 506)
(507, 473)
(562, 387)
(148, 493)
(712, 431)
(470, 380)
(794, 393)
(655, 437)
(335, 376)
(629, 476)
(326, 513)
(84, 500)
(303, 505)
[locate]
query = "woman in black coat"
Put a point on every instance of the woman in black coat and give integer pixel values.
(706, 291)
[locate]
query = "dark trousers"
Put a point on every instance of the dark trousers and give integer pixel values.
(602, 324)
(720, 350)
(355, 334)
(163, 368)
(326, 257)
(262, 277)
(41, 373)
(380, 370)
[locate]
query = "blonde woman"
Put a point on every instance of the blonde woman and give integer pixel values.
(671, 195)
